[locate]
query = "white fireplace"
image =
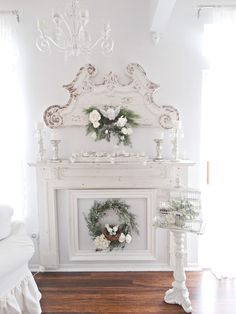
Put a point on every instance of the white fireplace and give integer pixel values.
(66, 191)
(68, 187)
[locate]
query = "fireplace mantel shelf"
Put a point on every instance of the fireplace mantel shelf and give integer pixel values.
(65, 163)
(149, 174)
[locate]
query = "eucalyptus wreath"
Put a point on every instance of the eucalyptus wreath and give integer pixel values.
(109, 237)
(111, 121)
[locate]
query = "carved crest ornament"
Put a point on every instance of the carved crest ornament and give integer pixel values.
(135, 94)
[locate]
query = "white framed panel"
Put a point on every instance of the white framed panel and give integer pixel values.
(142, 203)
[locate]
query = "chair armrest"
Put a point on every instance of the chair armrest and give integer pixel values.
(15, 250)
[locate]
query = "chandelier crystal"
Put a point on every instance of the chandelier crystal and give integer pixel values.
(70, 33)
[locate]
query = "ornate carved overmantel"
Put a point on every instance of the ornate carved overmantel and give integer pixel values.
(135, 94)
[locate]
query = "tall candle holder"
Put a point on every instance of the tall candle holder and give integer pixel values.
(177, 133)
(175, 145)
(40, 135)
(159, 147)
(55, 149)
(159, 141)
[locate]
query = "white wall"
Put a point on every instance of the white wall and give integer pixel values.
(175, 64)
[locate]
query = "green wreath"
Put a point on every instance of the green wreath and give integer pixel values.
(109, 237)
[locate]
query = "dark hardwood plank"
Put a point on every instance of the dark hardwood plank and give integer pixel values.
(131, 292)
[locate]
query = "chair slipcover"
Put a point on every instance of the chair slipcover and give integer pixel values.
(18, 291)
(6, 213)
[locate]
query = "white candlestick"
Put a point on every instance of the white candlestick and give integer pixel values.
(40, 134)
(158, 149)
(178, 125)
(55, 135)
(175, 145)
(55, 156)
(39, 126)
(160, 135)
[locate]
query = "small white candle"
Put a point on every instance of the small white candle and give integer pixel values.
(39, 126)
(160, 135)
(55, 135)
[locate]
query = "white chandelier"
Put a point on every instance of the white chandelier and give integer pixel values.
(70, 34)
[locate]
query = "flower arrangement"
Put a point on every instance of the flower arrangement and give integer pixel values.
(109, 236)
(183, 208)
(111, 121)
(176, 213)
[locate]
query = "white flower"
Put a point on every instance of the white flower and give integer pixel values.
(94, 135)
(122, 138)
(128, 238)
(122, 238)
(96, 124)
(124, 131)
(129, 131)
(94, 116)
(106, 131)
(101, 242)
(121, 122)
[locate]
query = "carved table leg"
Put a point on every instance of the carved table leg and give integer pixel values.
(179, 293)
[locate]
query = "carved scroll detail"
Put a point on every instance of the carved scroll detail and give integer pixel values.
(112, 92)
(169, 115)
(52, 117)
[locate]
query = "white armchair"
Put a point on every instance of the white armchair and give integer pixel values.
(18, 291)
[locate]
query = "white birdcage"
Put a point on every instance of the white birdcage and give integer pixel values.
(180, 209)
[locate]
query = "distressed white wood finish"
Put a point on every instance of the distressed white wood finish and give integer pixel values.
(136, 94)
(179, 293)
(52, 177)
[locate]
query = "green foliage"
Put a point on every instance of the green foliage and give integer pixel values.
(109, 128)
(183, 208)
(130, 115)
(121, 209)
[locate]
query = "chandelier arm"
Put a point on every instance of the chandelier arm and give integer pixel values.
(71, 35)
(102, 40)
(49, 39)
(42, 42)
(96, 42)
(67, 26)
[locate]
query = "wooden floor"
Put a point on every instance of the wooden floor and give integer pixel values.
(132, 292)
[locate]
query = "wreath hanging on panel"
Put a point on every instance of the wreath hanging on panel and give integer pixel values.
(111, 236)
(111, 121)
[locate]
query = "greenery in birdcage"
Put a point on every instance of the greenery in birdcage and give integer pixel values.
(184, 208)
(178, 212)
